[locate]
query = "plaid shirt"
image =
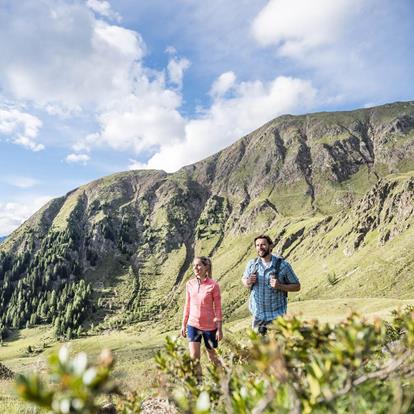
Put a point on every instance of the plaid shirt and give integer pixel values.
(266, 303)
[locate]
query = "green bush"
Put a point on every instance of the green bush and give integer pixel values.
(302, 367)
(332, 278)
(74, 385)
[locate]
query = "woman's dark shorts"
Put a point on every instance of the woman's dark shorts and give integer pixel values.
(195, 335)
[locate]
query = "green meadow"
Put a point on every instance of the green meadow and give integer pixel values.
(134, 348)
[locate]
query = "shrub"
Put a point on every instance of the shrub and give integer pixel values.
(74, 385)
(332, 278)
(302, 367)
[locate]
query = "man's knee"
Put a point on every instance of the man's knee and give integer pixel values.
(261, 326)
(262, 329)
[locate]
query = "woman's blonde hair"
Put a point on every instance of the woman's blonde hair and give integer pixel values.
(206, 262)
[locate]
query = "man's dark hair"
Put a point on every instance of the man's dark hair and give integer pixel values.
(266, 237)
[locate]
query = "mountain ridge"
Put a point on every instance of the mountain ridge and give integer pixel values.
(329, 187)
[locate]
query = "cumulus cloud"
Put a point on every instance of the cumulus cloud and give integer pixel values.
(223, 84)
(352, 49)
(175, 69)
(103, 8)
(141, 121)
(297, 26)
(253, 104)
(13, 214)
(77, 159)
(59, 54)
(20, 127)
(171, 50)
(19, 181)
(136, 165)
(89, 63)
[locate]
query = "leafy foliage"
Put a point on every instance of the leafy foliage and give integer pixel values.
(76, 384)
(303, 367)
(332, 278)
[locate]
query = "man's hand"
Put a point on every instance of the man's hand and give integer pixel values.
(252, 279)
(249, 281)
(274, 283)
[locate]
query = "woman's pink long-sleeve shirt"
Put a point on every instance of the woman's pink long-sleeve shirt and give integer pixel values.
(203, 304)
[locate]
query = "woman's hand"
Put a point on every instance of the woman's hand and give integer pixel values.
(184, 331)
(219, 334)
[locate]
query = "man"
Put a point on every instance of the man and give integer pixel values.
(269, 278)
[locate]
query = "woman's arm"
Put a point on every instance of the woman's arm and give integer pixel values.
(218, 312)
(186, 313)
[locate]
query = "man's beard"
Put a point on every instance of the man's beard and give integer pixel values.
(264, 253)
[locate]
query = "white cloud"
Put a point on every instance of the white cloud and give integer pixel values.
(140, 127)
(176, 68)
(19, 181)
(137, 165)
(21, 128)
(353, 49)
(59, 54)
(297, 26)
(90, 63)
(253, 104)
(14, 213)
(223, 84)
(148, 122)
(171, 50)
(103, 8)
(77, 158)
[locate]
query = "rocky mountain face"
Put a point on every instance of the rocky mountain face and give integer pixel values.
(335, 190)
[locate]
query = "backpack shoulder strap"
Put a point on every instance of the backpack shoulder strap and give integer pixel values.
(277, 264)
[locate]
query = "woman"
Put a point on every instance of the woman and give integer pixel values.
(202, 311)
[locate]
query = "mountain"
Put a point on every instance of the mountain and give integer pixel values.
(335, 190)
(2, 238)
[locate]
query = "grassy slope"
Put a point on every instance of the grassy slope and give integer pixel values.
(134, 350)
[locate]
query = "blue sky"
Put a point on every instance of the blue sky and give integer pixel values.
(89, 88)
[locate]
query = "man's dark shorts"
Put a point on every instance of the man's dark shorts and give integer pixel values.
(195, 335)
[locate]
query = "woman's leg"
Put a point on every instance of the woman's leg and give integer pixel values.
(213, 357)
(211, 343)
(194, 349)
(195, 355)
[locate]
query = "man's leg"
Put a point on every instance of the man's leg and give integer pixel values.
(260, 326)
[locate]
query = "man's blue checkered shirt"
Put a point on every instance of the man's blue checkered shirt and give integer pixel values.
(266, 303)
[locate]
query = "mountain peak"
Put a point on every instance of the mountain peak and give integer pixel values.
(331, 188)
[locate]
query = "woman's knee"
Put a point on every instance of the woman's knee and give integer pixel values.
(194, 350)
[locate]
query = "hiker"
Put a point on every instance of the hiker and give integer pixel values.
(269, 278)
(202, 318)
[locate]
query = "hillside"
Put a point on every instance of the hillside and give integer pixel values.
(336, 191)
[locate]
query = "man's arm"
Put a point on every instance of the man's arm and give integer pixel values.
(248, 282)
(249, 279)
(291, 287)
(286, 273)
